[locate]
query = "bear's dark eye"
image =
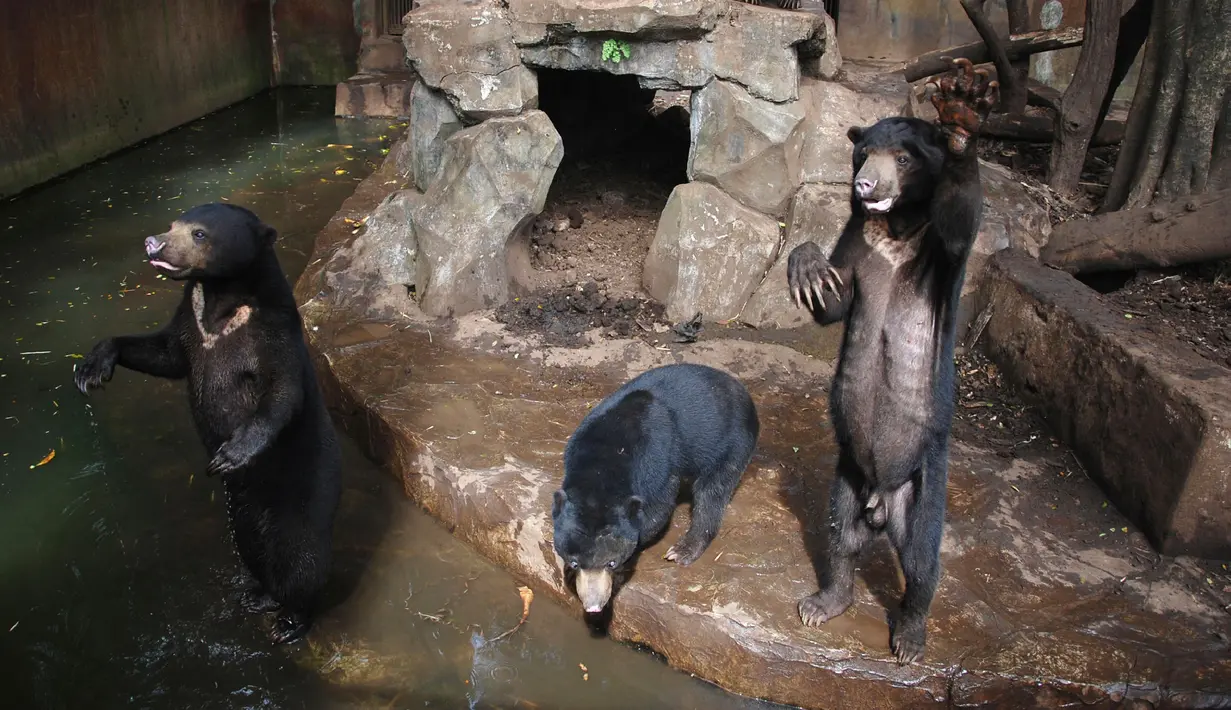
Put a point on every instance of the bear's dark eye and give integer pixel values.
(611, 564)
(198, 235)
(903, 159)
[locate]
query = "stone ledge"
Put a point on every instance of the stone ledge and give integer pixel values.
(384, 94)
(1150, 420)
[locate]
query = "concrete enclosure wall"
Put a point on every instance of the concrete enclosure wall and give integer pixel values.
(83, 78)
(316, 42)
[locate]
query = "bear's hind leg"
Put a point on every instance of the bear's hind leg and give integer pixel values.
(849, 533)
(299, 561)
(246, 523)
(915, 525)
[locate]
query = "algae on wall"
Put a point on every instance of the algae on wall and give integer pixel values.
(315, 41)
(80, 79)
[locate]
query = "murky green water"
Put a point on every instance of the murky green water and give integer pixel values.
(116, 575)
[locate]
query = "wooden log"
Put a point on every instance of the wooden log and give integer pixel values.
(1041, 129)
(1016, 46)
(1186, 231)
(1041, 94)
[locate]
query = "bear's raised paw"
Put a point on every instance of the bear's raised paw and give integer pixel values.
(963, 99)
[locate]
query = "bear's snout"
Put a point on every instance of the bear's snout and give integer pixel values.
(864, 187)
(153, 245)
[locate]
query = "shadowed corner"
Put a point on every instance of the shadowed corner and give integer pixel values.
(364, 518)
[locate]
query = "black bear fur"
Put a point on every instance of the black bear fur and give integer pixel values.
(238, 340)
(624, 466)
(894, 278)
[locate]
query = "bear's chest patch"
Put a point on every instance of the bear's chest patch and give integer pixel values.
(896, 251)
(209, 339)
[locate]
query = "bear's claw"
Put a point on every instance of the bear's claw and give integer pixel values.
(97, 367)
(231, 456)
(809, 275)
(963, 100)
(289, 627)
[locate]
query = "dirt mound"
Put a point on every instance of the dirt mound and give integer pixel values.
(563, 315)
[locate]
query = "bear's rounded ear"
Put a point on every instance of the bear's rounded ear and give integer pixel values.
(854, 133)
(557, 502)
(634, 507)
(269, 234)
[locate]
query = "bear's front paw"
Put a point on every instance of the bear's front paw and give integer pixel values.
(809, 274)
(234, 454)
(97, 367)
(963, 100)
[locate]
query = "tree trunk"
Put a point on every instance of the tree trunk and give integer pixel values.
(1019, 22)
(1185, 231)
(1140, 115)
(1220, 165)
(1178, 127)
(1017, 47)
(1209, 67)
(1134, 28)
(1012, 91)
(1080, 104)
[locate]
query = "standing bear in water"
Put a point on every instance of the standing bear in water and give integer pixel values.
(238, 339)
(894, 278)
(625, 464)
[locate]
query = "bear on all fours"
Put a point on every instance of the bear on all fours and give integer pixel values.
(894, 279)
(238, 339)
(670, 427)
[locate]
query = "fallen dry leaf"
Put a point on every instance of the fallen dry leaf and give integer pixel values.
(46, 459)
(527, 596)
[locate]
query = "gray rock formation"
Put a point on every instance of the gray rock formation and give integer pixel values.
(820, 57)
(738, 143)
(657, 65)
(818, 214)
(820, 151)
(493, 180)
(756, 49)
(644, 18)
(376, 270)
(709, 253)
(467, 51)
(434, 120)
(1011, 218)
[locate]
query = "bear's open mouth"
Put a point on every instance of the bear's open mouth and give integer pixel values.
(878, 207)
(166, 266)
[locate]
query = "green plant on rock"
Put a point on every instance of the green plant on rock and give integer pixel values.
(613, 49)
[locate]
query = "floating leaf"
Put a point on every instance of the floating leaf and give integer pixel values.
(46, 459)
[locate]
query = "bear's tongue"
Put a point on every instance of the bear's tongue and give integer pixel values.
(881, 206)
(163, 265)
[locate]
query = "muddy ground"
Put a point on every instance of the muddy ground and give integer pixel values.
(1192, 305)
